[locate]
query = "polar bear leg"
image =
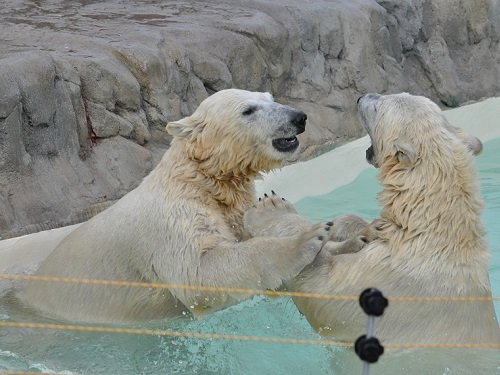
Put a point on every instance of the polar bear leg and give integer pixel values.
(258, 263)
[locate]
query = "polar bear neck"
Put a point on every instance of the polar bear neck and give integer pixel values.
(226, 172)
(433, 209)
(235, 193)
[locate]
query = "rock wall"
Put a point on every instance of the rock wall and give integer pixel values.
(86, 87)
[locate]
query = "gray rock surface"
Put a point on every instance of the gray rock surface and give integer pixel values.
(86, 87)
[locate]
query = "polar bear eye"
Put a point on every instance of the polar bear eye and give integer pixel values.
(249, 111)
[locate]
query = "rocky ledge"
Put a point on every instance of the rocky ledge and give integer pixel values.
(86, 87)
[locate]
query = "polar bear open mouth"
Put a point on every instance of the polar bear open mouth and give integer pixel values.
(286, 144)
(370, 155)
(370, 152)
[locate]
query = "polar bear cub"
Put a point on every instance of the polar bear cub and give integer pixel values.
(431, 239)
(183, 224)
(428, 242)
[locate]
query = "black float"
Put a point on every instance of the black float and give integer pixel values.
(368, 347)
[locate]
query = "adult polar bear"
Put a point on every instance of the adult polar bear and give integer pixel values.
(431, 241)
(183, 223)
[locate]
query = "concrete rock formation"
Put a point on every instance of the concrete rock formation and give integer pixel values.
(86, 88)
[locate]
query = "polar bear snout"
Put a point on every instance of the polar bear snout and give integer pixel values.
(367, 112)
(284, 138)
(298, 120)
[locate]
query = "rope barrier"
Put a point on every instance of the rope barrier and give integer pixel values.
(217, 336)
(175, 286)
(154, 332)
(273, 293)
(21, 372)
(404, 346)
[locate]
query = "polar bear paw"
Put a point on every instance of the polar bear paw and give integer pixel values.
(274, 216)
(352, 245)
(312, 242)
(273, 203)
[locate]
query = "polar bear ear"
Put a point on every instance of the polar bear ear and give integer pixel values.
(181, 128)
(269, 96)
(406, 153)
(474, 144)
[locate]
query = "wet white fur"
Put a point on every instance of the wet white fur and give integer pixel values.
(183, 225)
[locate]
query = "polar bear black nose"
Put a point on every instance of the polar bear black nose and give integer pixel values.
(299, 120)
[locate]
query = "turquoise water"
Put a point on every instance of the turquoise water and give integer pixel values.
(122, 354)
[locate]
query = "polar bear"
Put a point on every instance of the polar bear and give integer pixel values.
(428, 242)
(183, 224)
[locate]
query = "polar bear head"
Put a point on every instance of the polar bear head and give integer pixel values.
(406, 129)
(237, 132)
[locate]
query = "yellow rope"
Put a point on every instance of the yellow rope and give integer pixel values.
(444, 299)
(217, 336)
(197, 335)
(176, 286)
(236, 290)
(441, 346)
